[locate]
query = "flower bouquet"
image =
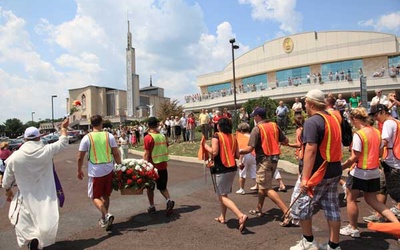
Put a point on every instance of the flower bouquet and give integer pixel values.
(133, 175)
(75, 107)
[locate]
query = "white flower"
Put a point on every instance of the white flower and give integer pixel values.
(137, 167)
(126, 161)
(140, 161)
(123, 168)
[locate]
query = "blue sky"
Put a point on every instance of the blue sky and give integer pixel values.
(48, 47)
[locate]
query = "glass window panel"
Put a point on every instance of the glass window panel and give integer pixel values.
(219, 87)
(293, 76)
(343, 69)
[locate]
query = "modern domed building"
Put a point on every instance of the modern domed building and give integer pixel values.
(288, 67)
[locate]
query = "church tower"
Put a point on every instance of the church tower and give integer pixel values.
(132, 79)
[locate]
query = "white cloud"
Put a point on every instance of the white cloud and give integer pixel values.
(389, 22)
(282, 11)
(89, 49)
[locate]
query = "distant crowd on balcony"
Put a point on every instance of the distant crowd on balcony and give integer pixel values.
(314, 78)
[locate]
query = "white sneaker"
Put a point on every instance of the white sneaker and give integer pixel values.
(327, 247)
(374, 218)
(347, 230)
(303, 244)
(344, 191)
(109, 221)
(102, 223)
(395, 211)
(241, 191)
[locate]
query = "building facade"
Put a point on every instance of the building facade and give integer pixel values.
(108, 102)
(289, 67)
(111, 104)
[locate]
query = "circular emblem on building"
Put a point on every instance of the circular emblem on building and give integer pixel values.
(288, 45)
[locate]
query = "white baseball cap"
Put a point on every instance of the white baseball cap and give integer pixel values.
(31, 133)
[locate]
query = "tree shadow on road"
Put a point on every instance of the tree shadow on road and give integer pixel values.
(76, 244)
(272, 215)
(139, 222)
(368, 240)
(136, 223)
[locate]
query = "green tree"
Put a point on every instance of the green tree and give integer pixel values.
(13, 127)
(264, 102)
(32, 124)
(169, 108)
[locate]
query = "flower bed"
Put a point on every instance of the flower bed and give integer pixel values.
(134, 175)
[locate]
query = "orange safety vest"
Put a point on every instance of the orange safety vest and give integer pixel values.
(227, 149)
(396, 144)
(336, 113)
(269, 138)
(371, 141)
(331, 145)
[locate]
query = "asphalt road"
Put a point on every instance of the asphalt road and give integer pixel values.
(192, 225)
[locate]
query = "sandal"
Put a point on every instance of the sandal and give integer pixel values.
(242, 222)
(287, 222)
(256, 213)
(284, 190)
(219, 220)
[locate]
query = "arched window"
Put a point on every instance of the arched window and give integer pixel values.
(83, 101)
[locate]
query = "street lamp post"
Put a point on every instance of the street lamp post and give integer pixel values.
(234, 46)
(52, 112)
(33, 112)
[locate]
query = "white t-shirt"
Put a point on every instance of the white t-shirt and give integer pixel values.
(98, 170)
(382, 100)
(358, 172)
(389, 130)
(123, 142)
(297, 106)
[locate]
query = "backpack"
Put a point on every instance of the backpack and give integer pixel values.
(347, 132)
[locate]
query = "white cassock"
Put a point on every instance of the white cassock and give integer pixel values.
(34, 209)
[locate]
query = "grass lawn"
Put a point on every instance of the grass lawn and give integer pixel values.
(191, 149)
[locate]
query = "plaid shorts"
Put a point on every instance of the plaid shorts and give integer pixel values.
(326, 195)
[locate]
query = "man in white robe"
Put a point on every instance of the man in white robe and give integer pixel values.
(34, 208)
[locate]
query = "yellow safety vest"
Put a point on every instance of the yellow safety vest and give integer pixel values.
(100, 150)
(160, 150)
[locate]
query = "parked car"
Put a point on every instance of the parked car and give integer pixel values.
(51, 138)
(73, 137)
(14, 144)
(44, 140)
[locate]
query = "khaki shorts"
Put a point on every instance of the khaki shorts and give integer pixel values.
(265, 174)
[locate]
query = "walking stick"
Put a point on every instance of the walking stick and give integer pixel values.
(205, 168)
(214, 181)
(291, 205)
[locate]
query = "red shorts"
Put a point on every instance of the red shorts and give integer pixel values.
(102, 186)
